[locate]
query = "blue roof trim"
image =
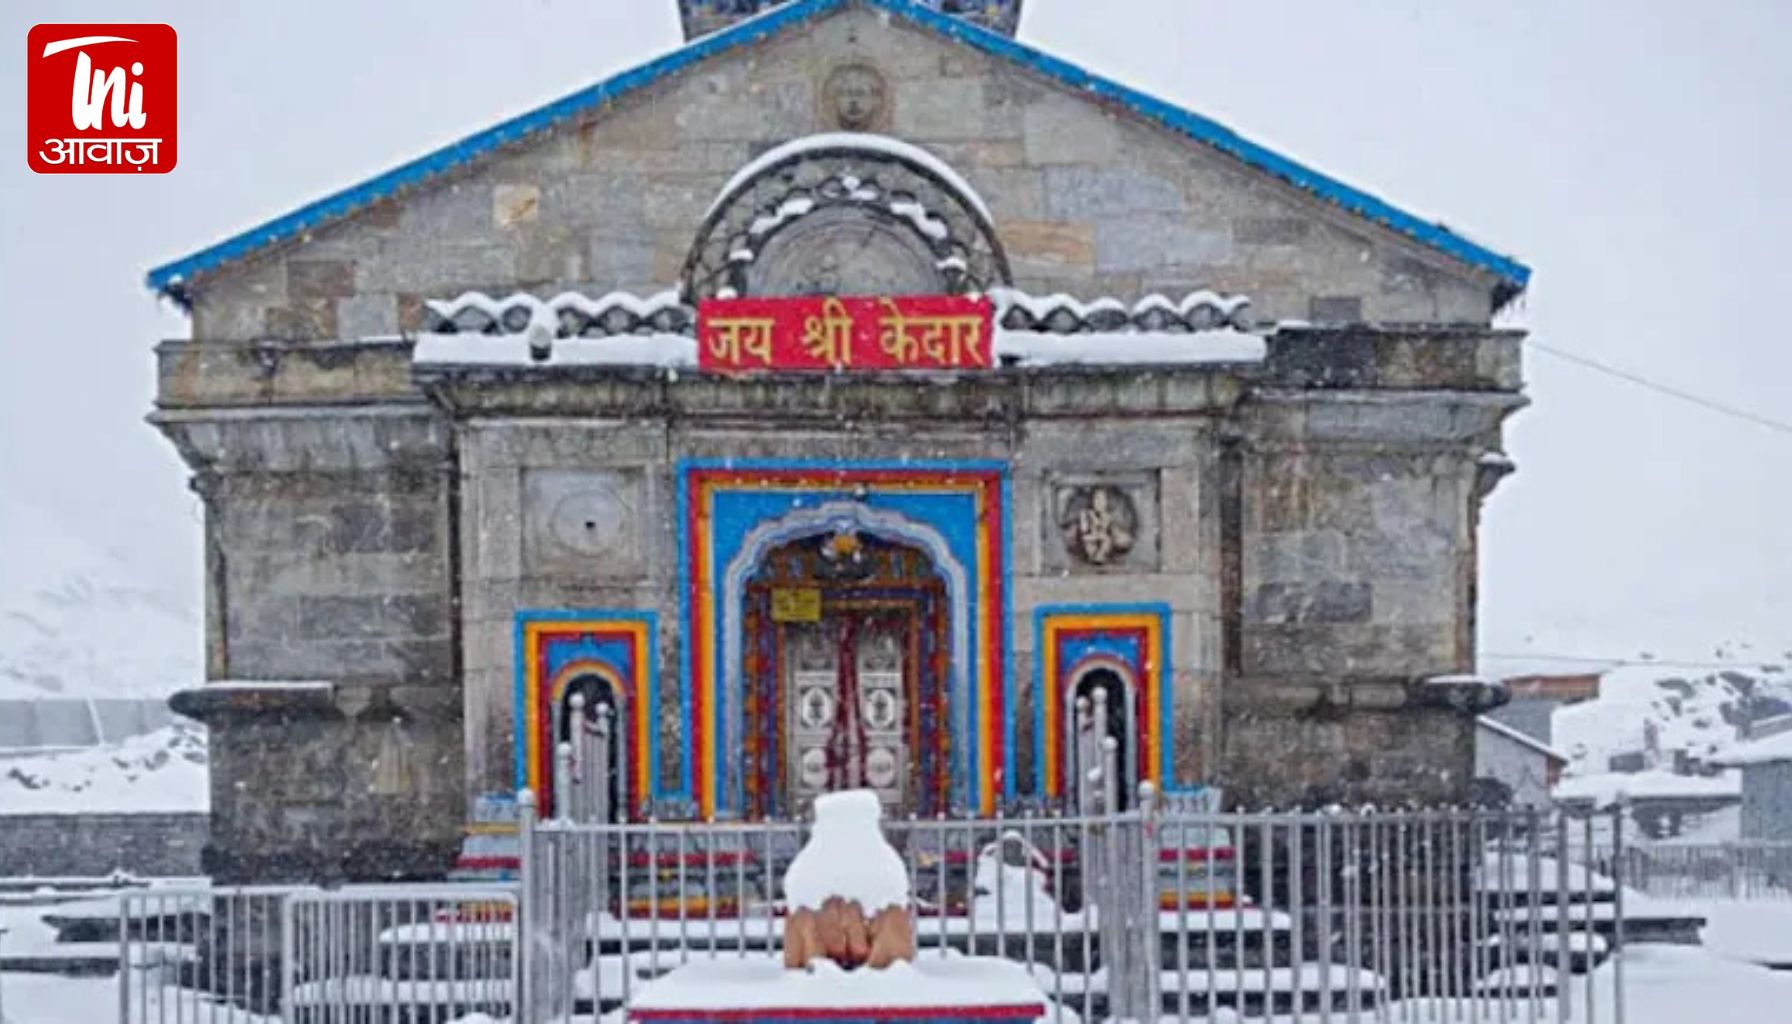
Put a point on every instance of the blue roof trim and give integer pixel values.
(1220, 137)
(1514, 274)
(455, 154)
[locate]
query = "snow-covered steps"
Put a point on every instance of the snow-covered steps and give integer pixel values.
(1309, 987)
(365, 997)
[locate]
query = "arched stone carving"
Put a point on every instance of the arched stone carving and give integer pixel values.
(845, 214)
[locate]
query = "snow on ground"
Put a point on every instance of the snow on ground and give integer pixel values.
(1663, 985)
(163, 770)
(1686, 984)
(25, 930)
(50, 999)
(1760, 932)
(1604, 788)
(79, 620)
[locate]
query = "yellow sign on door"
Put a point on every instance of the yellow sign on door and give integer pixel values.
(796, 604)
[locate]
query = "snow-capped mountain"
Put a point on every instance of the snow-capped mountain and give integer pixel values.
(164, 770)
(1644, 706)
(77, 619)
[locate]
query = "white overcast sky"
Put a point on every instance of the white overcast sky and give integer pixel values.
(1634, 152)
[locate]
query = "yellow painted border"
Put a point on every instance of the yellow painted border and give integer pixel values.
(984, 630)
(1151, 676)
(637, 691)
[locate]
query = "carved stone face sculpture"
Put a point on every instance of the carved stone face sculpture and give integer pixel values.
(855, 93)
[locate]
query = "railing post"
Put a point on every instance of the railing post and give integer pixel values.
(528, 908)
(1564, 977)
(124, 959)
(1618, 952)
(577, 782)
(289, 961)
(563, 781)
(1146, 931)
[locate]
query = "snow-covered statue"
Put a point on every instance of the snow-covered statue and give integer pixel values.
(847, 890)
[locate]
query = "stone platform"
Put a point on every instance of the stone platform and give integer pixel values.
(761, 990)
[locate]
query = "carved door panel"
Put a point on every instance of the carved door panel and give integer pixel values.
(834, 745)
(881, 710)
(814, 694)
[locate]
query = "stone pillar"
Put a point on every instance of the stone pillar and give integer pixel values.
(334, 694)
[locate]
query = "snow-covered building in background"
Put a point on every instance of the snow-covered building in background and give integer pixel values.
(1764, 761)
(1525, 768)
(1217, 453)
(1670, 739)
(1538, 689)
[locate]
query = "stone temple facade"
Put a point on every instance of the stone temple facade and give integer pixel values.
(462, 462)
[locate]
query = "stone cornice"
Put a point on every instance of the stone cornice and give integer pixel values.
(1002, 395)
(1475, 371)
(1369, 357)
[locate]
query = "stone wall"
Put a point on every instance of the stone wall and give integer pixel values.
(1316, 546)
(368, 793)
(327, 558)
(95, 845)
(524, 470)
(1767, 801)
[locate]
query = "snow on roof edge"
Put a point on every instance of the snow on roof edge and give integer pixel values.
(869, 141)
(679, 352)
(1766, 750)
(1501, 728)
(1514, 274)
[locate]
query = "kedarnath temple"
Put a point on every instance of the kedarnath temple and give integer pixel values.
(845, 399)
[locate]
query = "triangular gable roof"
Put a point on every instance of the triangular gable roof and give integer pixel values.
(1513, 275)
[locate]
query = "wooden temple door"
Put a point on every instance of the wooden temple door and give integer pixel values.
(848, 710)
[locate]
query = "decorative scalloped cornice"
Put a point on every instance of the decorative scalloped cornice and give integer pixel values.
(573, 315)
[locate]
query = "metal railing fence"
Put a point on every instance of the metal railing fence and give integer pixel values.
(199, 954)
(1758, 870)
(1349, 916)
(1372, 915)
(610, 906)
(400, 952)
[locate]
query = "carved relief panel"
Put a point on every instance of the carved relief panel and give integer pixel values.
(585, 523)
(1101, 523)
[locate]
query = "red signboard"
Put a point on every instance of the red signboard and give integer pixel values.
(915, 332)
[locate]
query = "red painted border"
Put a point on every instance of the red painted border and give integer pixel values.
(1141, 679)
(993, 530)
(1008, 1011)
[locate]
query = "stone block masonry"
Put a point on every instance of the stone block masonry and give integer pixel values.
(94, 845)
(610, 202)
(1307, 523)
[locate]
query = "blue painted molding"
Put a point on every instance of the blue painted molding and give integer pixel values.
(1004, 669)
(1513, 274)
(1166, 683)
(646, 616)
